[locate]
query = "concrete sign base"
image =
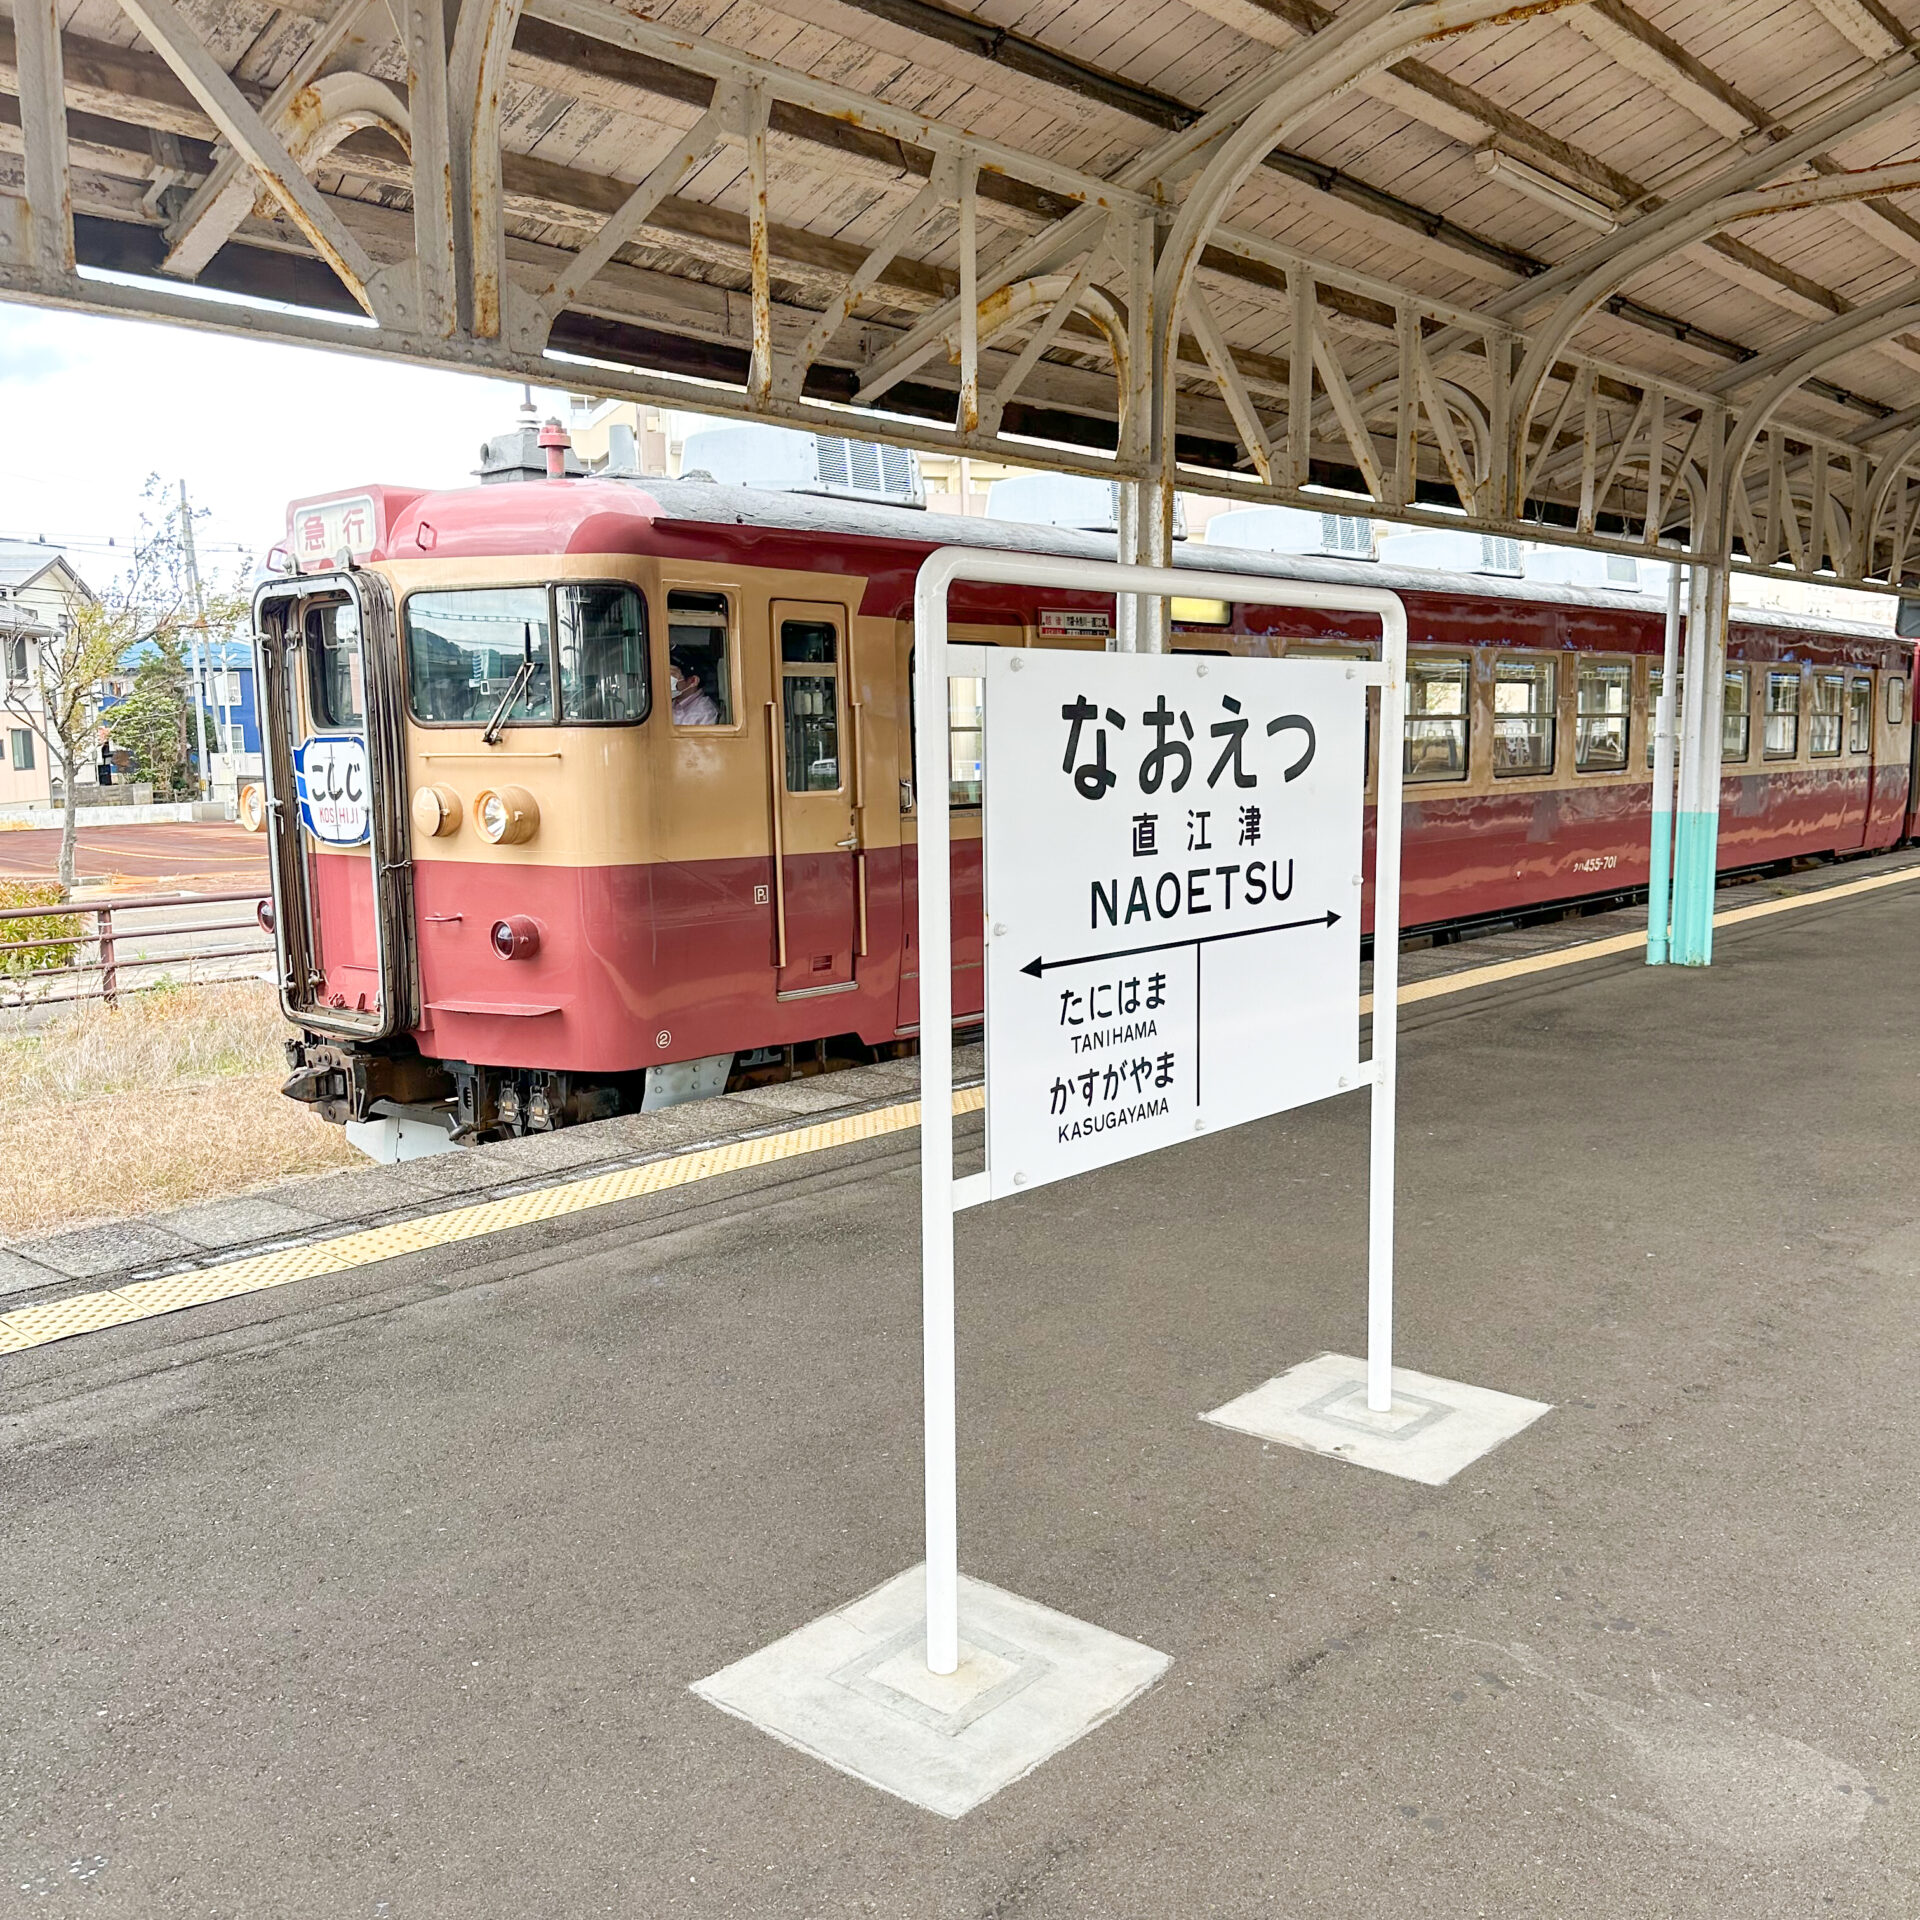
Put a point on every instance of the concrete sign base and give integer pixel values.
(1434, 1428)
(853, 1689)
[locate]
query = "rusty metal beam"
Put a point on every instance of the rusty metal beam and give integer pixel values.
(476, 79)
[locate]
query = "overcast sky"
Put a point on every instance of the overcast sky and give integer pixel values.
(92, 406)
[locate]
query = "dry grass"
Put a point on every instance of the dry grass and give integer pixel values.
(171, 1097)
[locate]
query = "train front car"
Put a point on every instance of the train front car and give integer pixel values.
(525, 771)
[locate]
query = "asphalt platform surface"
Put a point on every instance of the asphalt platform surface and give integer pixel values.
(380, 1595)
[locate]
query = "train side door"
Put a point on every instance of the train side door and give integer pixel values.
(811, 753)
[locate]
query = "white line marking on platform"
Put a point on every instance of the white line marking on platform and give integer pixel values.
(853, 1689)
(1435, 1427)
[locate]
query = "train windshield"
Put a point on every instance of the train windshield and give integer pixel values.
(603, 653)
(491, 652)
(469, 652)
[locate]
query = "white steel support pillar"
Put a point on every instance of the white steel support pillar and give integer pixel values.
(1697, 816)
(1660, 844)
(1145, 534)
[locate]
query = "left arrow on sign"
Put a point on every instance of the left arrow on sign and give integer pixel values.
(1037, 966)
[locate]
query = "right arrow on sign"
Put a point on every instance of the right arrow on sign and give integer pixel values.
(1037, 966)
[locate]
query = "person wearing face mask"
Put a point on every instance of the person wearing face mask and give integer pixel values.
(693, 705)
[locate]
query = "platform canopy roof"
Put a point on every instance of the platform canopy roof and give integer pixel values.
(1632, 270)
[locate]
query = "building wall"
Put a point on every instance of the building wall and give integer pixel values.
(37, 606)
(237, 711)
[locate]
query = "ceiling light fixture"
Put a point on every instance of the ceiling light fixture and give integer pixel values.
(1544, 188)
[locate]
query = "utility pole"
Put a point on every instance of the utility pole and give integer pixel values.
(199, 634)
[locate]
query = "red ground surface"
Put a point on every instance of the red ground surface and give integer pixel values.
(135, 858)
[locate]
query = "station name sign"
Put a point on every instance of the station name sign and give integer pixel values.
(1172, 860)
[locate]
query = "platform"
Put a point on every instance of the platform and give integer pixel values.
(385, 1587)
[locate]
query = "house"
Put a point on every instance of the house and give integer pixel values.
(231, 714)
(37, 586)
(226, 701)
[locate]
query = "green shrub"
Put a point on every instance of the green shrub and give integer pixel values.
(64, 928)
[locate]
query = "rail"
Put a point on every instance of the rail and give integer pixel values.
(104, 956)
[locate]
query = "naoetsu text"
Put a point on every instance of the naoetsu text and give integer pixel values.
(1168, 765)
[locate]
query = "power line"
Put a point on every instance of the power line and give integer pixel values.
(114, 543)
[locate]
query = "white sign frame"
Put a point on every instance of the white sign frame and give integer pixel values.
(941, 1196)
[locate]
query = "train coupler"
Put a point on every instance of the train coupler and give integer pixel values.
(342, 1083)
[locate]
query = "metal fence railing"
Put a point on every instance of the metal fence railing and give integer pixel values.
(134, 942)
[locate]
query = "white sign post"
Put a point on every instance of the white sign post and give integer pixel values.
(1104, 773)
(1172, 946)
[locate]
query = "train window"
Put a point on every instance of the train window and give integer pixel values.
(1523, 716)
(1781, 739)
(469, 653)
(810, 704)
(1823, 730)
(964, 701)
(1735, 726)
(1603, 697)
(1860, 714)
(697, 630)
(603, 653)
(1896, 700)
(1437, 719)
(1656, 678)
(336, 685)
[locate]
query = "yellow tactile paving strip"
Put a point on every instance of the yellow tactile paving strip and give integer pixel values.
(38, 1326)
(41, 1325)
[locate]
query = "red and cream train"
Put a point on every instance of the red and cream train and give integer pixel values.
(586, 793)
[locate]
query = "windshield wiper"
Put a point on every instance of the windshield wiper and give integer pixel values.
(522, 674)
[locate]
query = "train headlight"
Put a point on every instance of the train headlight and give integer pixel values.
(516, 938)
(436, 810)
(507, 816)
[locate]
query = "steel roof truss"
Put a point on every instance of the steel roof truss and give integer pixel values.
(222, 201)
(43, 219)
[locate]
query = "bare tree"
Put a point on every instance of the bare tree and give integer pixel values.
(59, 702)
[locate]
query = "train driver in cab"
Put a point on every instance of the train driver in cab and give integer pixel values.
(693, 705)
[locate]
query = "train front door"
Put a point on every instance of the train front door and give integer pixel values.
(342, 898)
(816, 800)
